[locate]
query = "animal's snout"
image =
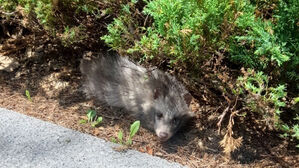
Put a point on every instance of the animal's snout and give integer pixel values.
(163, 136)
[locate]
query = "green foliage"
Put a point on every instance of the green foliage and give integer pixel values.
(255, 45)
(261, 98)
(8, 5)
(43, 11)
(91, 114)
(113, 140)
(290, 132)
(133, 130)
(57, 16)
(97, 122)
(82, 121)
(181, 28)
(92, 118)
(186, 25)
(27, 93)
(266, 101)
(121, 35)
(73, 35)
(259, 43)
(187, 31)
(287, 31)
(120, 136)
(117, 31)
(261, 35)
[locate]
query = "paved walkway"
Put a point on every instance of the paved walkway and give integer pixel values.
(29, 142)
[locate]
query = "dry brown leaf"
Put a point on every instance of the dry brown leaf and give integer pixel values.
(149, 150)
(96, 132)
(186, 31)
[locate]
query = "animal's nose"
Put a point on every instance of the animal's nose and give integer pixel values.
(163, 135)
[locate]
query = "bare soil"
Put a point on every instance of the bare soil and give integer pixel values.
(50, 72)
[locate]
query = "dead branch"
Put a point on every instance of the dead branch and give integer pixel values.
(221, 117)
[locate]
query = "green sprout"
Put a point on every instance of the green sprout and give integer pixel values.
(28, 95)
(133, 130)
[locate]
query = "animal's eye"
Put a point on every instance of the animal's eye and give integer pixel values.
(174, 120)
(159, 115)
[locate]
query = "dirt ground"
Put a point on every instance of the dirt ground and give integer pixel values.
(51, 75)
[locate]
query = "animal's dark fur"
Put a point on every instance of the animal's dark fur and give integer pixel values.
(157, 99)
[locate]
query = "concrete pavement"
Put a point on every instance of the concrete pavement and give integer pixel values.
(29, 142)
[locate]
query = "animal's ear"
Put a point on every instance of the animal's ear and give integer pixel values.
(188, 120)
(188, 98)
(156, 93)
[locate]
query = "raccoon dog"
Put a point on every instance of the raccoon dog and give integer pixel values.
(157, 99)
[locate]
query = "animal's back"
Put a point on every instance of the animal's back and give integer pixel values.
(117, 81)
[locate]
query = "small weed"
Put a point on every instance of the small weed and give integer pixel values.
(83, 121)
(91, 114)
(73, 35)
(133, 130)
(97, 122)
(28, 95)
(113, 140)
(92, 118)
(120, 136)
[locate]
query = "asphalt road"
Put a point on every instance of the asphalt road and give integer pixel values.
(29, 142)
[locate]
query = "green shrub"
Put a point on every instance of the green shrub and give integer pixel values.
(181, 29)
(8, 5)
(190, 31)
(260, 97)
(123, 30)
(261, 35)
(119, 35)
(57, 17)
(255, 44)
(291, 132)
(287, 30)
(266, 44)
(267, 102)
